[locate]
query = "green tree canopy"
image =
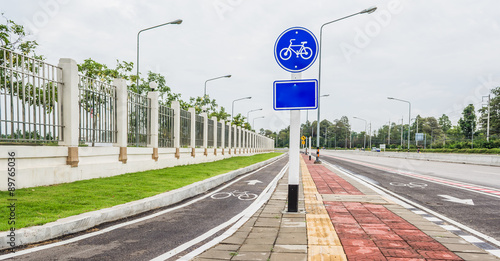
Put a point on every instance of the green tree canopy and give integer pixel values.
(494, 113)
(13, 37)
(468, 122)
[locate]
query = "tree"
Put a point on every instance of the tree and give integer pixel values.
(221, 114)
(445, 123)
(13, 37)
(494, 113)
(468, 122)
(201, 104)
(239, 120)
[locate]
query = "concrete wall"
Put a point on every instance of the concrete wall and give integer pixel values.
(47, 165)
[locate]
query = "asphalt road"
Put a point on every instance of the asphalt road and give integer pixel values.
(160, 234)
(475, 209)
(477, 174)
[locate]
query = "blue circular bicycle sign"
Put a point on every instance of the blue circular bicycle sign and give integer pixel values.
(296, 49)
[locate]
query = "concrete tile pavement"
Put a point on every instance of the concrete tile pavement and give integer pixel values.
(343, 220)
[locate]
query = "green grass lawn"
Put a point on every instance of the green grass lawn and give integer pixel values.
(41, 205)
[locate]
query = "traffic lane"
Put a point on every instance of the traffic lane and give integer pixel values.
(153, 237)
(452, 202)
(475, 174)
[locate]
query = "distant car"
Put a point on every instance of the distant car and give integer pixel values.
(374, 149)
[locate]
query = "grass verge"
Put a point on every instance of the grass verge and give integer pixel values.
(41, 205)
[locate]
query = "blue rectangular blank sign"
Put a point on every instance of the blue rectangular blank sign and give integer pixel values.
(295, 95)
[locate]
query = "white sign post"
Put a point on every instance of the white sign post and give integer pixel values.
(294, 154)
(295, 50)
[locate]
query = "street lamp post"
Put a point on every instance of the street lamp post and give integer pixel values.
(401, 132)
(409, 117)
(364, 142)
(178, 21)
(366, 11)
(253, 121)
(205, 91)
(232, 108)
(248, 114)
(370, 135)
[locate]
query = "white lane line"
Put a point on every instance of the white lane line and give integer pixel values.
(450, 227)
(106, 230)
(239, 220)
(410, 203)
(433, 219)
(472, 239)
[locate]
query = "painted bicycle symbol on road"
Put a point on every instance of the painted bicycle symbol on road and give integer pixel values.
(241, 195)
(410, 185)
(303, 51)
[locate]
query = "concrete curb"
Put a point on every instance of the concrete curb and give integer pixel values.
(84, 221)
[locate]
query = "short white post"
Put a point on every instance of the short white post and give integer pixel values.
(205, 131)
(214, 120)
(177, 127)
(235, 143)
(121, 118)
(223, 136)
(70, 109)
(239, 139)
(192, 136)
(153, 96)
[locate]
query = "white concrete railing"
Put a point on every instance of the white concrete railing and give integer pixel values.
(48, 165)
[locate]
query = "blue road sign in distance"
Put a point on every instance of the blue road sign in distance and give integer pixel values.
(296, 49)
(295, 95)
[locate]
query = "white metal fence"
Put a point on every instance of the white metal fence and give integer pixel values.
(97, 101)
(139, 124)
(32, 94)
(29, 101)
(165, 127)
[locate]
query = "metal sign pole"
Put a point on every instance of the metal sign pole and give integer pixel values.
(294, 154)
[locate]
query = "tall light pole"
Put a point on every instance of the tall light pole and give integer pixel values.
(389, 135)
(488, 122)
(248, 114)
(409, 117)
(253, 121)
(232, 108)
(364, 142)
(401, 132)
(366, 11)
(178, 21)
(205, 91)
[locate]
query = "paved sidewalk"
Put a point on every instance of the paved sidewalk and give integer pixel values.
(343, 220)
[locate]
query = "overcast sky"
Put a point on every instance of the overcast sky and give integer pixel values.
(440, 56)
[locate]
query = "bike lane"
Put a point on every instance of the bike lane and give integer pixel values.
(476, 210)
(159, 233)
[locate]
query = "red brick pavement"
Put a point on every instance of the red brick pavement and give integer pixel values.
(372, 232)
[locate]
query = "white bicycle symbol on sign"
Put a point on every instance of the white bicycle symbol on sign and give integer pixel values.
(241, 195)
(304, 52)
(410, 185)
